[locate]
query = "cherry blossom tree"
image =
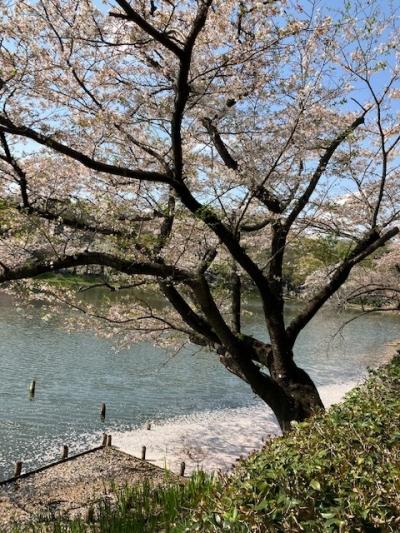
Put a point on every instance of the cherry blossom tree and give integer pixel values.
(183, 145)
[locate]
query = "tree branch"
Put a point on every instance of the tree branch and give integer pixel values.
(268, 199)
(192, 319)
(260, 192)
(89, 162)
(132, 15)
(34, 268)
(248, 228)
(219, 144)
(182, 88)
(323, 163)
(167, 224)
(236, 299)
(371, 242)
(22, 180)
(231, 241)
(73, 222)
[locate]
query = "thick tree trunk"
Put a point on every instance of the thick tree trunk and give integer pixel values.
(289, 391)
(294, 398)
(302, 397)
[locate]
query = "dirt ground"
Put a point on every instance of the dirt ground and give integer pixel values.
(72, 487)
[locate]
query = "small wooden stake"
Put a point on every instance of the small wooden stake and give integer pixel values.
(18, 468)
(108, 440)
(104, 442)
(32, 388)
(182, 470)
(103, 411)
(64, 452)
(148, 427)
(143, 453)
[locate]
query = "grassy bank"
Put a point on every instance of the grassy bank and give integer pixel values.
(337, 472)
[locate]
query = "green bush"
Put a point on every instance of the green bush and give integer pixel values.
(336, 472)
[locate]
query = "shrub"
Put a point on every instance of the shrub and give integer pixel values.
(338, 471)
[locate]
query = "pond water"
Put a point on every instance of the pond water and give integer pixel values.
(75, 373)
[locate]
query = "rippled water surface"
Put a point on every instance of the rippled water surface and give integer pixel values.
(76, 372)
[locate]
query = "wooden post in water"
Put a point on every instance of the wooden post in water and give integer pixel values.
(104, 442)
(108, 440)
(143, 453)
(182, 470)
(18, 468)
(64, 453)
(148, 427)
(32, 388)
(103, 411)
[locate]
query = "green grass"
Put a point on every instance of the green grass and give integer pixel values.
(338, 472)
(140, 508)
(68, 279)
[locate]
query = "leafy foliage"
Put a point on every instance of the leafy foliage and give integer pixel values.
(335, 472)
(308, 254)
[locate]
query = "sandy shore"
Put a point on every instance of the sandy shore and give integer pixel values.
(71, 488)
